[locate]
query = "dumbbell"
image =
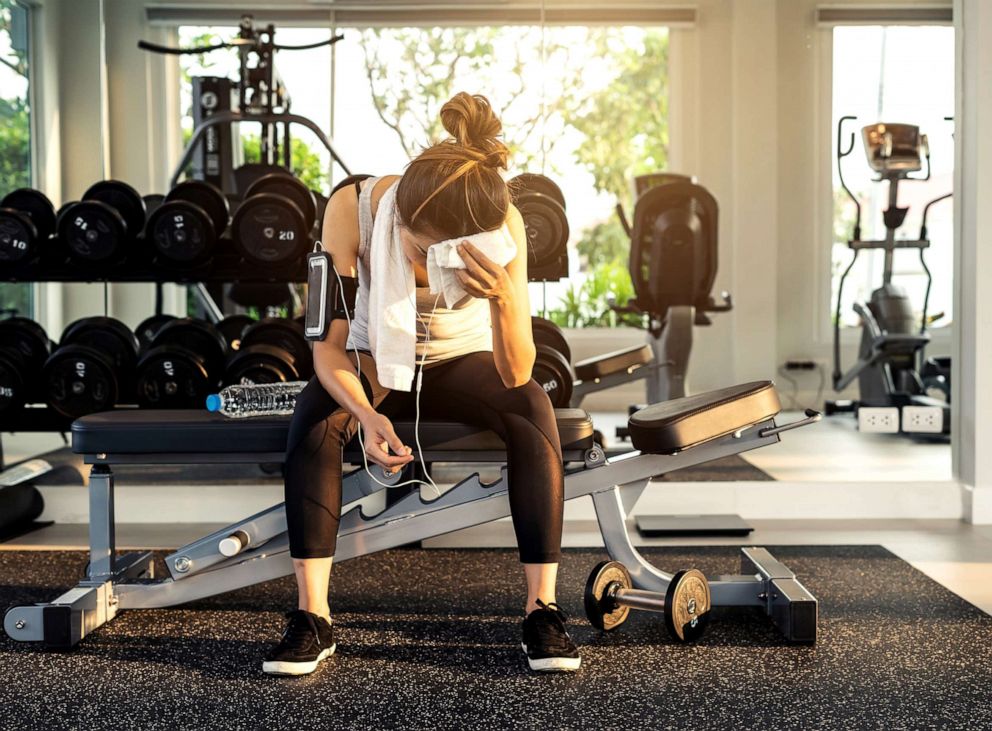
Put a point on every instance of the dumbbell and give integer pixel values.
(92, 369)
(552, 364)
(182, 365)
(273, 223)
(610, 595)
(149, 327)
(232, 328)
(24, 347)
(542, 206)
(183, 231)
(99, 228)
(27, 221)
(271, 351)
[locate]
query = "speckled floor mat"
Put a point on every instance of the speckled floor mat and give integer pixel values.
(429, 639)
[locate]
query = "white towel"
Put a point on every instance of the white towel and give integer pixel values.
(392, 289)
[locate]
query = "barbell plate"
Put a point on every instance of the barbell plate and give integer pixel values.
(289, 187)
(535, 183)
(270, 229)
(603, 613)
(687, 605)
(554, 373)
(36, 205)
(122, 197)
(208, 197)
(546, 226)
(19, 238)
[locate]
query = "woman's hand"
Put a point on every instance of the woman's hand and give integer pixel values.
(380, 439)
(482, 277)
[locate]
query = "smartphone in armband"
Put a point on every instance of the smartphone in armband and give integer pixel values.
(322, 288)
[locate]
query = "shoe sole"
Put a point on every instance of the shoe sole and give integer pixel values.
(280, 667)
(552, 664)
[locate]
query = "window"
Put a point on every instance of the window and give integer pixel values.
(587, 106)
(895, 74)
(15, 129)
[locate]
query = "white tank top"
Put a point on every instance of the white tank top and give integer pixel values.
(465, 328)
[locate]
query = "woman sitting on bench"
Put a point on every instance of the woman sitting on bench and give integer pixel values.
(474, 358)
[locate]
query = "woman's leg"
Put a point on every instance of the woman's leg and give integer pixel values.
(470, 389)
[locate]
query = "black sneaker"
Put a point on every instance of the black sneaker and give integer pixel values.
(546, 643)
(307, 639)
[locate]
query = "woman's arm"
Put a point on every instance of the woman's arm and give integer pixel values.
(509, 303)
(332, 365)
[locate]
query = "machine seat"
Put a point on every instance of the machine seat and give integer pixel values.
(676, 425)
(202, 432)
(614, 362)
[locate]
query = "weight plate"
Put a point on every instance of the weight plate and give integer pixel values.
(201, 338)
(108, 336)
(30, 340)
(232, 328)
(534, 183)
(285, 334)
(181, 232)
(18, 237)
(149, 326)
(554, 373)
(603, 613)
(13, 380)
(36, 205)
(288, 187)
(547, 333)
(80, 380)
(261, 364)
(208, 197)
(546, 226)
(270, 229)
(687, 605)
(93, 231)
(125, 199)
(173, 377)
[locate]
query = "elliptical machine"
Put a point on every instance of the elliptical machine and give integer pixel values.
(892, 369)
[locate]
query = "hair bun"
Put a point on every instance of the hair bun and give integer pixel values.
(471, 121)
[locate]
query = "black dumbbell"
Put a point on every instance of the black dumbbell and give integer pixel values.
(149, 327)
(92, 369)
(27, 221)
(24, 347)
(273, 223)
(610, 595)
(184, 229)
(271, 351)
(99, 228)
(232, 328)
(183, 364)
(542, 208)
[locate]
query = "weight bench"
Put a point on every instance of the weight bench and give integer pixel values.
(666, 437)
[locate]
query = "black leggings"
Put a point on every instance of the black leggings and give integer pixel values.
(466, 389)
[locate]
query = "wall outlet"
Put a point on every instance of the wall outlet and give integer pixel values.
(878, 419)
(925, 419)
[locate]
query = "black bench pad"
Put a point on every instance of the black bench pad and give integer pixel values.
(613, 362)
(202, 432)
(682, 423)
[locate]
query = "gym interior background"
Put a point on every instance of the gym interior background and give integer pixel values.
(743, 96)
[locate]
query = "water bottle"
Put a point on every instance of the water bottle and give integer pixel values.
(260, 399)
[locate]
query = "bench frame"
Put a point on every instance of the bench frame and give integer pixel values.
(199, 569)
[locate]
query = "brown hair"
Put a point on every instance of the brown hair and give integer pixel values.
(454, 188)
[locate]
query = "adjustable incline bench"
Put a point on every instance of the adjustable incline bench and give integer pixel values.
(666, 436)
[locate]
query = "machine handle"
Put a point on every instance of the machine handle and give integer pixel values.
(811, 418)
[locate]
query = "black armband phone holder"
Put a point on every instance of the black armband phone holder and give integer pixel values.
(329, 295)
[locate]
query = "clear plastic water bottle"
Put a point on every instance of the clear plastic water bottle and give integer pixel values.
(261, 399)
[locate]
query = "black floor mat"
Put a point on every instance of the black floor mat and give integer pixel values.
(429, 639)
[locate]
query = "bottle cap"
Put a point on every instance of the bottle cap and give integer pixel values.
(214, 402)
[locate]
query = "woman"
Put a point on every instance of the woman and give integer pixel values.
(475, 358)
